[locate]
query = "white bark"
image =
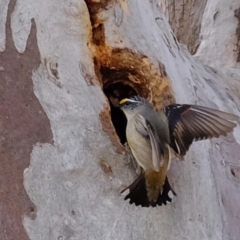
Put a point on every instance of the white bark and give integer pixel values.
(67, 176)
(218, 34)
(208, 28)
(3, 16)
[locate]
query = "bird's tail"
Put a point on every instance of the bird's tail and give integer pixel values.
(138, 193)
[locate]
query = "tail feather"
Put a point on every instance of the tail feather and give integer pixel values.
(138, 193)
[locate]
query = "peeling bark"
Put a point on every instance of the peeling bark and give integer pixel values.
(185, 18)
(90, 54)
(23, 123)
(237, 15)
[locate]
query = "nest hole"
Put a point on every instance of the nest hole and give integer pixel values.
(124, 74)
(117, 86)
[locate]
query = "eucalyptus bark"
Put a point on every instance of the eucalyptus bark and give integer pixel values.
(73, 166)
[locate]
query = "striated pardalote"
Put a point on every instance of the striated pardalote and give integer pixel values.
(151, 135)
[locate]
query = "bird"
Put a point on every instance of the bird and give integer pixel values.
(152, 135)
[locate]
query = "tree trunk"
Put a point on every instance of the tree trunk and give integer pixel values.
(63, 66)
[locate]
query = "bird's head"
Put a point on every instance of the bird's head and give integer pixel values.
(132, 105)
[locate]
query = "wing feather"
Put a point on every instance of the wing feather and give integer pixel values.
(146, 130)
(188, 123)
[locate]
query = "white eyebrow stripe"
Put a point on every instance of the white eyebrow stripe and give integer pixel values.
(131, 100)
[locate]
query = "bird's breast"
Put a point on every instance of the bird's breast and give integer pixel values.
(140, 147)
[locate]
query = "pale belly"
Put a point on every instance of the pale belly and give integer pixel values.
(140, 147)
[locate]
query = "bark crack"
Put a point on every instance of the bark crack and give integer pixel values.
(237, 15)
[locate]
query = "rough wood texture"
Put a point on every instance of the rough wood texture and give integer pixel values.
(208, 28)
(185, 18)
(75, 182)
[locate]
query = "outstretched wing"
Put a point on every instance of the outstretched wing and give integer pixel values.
(188, 123)
(146, 130)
